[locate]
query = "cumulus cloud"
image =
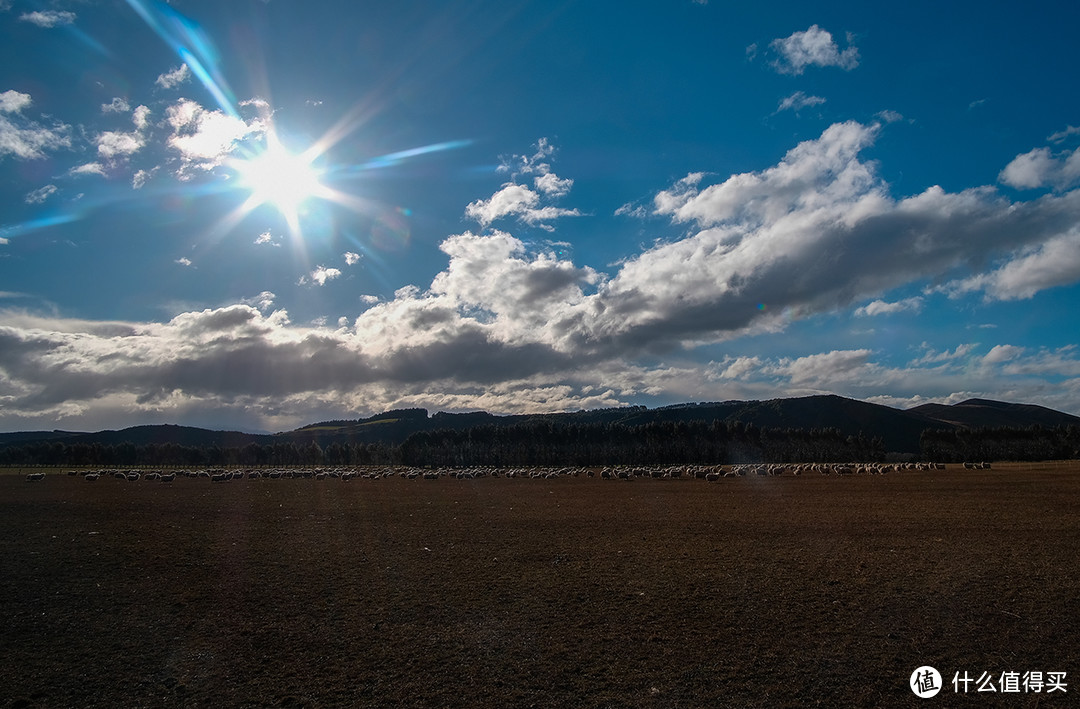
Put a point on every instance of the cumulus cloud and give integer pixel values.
(13, 101)
(48, 18)
(24, 138)
(740, 367)
(351, 258)
(1002, 353)
(551, 185)
(117, 105)
(183, 261)
(880, 307)
(520, 201)
(204, 139)
(263, 301)
(509, 324)
(1055, 262)
(323, 274)
(812, 47)
(172, 79)
(141, 117)
(816, 232)
(237, 356)
(824, 369)
(1042, 168)
(112, 145)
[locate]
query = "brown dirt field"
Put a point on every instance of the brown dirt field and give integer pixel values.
(578, 592)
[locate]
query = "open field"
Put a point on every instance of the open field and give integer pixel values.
(761, 592)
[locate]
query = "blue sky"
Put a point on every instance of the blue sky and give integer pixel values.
(257, 214)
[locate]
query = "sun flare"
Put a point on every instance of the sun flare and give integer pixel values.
(281, 179)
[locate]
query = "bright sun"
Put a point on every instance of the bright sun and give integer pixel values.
(281, 179)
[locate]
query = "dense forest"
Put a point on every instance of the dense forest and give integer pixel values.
(550, 443)
(1001, 443)
(529, 443)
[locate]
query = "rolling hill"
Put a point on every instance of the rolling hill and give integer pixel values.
(899, 429)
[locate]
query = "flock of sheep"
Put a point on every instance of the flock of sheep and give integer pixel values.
(709, 473)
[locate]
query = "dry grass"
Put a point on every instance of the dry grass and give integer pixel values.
(769, 592)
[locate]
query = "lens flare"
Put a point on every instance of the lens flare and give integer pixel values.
(281, 179)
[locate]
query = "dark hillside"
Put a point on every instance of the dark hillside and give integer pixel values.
(899, 430)
(983, 413)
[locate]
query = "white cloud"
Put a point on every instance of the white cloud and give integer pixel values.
(322, 274)
(518, 295)
(825, 369)
(266, 238)
(798, 101)
(889, 116)
(817, 174)
(934, 357)
(205, 138)
(813, 47)
(174, 78)
(509, 326)
(740, 367)
(13, 102)
(112, 145)
(880, 307)
(141, 177)
(23, 138)
(90, 168)
(41, 194)
(141, 117)
(551, 185)
(1055, 262)
(117, 105)
(1061, 362)
(183, 261)
(1063, 134)
(1041, 168)
(1002, 353)
(529, 164)
(517, 200)
(48, 18)
(630, 209)
(263, 301)
(762, 236)
(351, 258)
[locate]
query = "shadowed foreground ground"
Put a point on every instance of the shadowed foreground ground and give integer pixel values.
(769, 592)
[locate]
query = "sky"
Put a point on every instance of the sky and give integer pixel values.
(257, 214)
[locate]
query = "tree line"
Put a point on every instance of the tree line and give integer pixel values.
(1001, 443)
(532, 443)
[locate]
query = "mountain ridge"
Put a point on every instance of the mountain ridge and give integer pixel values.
(899, 429)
